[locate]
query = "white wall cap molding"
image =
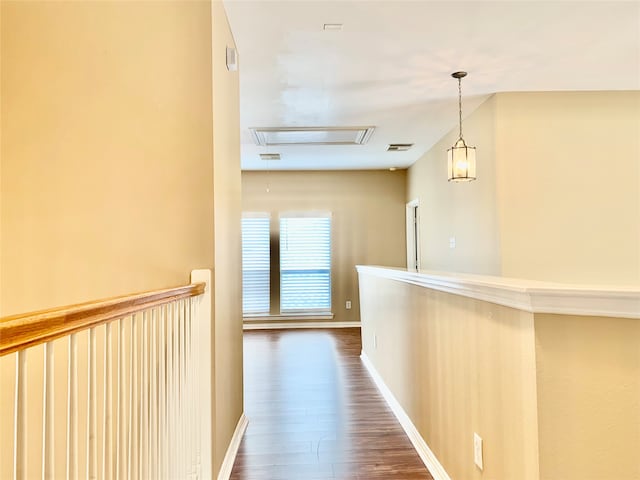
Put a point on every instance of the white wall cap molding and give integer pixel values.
(528, 295)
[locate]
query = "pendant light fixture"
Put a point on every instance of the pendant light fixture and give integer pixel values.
(461, 163)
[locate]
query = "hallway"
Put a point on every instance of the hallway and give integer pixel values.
(314, 413)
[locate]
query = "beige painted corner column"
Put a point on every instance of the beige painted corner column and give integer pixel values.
(227, 238)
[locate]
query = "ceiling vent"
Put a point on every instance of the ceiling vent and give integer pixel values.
(399, 147)
(270, 156)
(311, 135)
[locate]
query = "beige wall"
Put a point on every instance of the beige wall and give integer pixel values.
(557, 196)
(106, 149)
(466, 211)
(569, 186)
(588, 376)
(1, 42)
(228, 253)
(457, 366)
(367, 225)
(108, 164)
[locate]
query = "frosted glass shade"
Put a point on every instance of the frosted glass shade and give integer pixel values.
(461, 162)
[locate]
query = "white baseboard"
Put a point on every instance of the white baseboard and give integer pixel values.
(293, 324)
(426, 455)
(232, 450)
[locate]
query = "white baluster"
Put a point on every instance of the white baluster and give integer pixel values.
(20, 418)
(72, 410)
(172, 391)
(198, 385)
(48, 422)
(132, 450)
(107, 431)
(181, 445)
(179, 391)
(192, 403)
(152, 457)
(169, 414)
(163, 431)
(188, 407)
(185, 398)
(120, 427)
(143, 432)
(176, 390)
(92, 408)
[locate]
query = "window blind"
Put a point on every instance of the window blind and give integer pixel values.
(305, 263)
(255, 263)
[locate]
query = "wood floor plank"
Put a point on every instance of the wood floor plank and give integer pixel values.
(315, 414)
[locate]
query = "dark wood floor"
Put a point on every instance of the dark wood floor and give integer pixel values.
(315, 414)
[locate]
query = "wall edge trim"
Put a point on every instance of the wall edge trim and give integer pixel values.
(292, 324)
(528, 295)
(426, 455)
(232, 450)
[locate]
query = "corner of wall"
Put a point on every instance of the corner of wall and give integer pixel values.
(227, 238)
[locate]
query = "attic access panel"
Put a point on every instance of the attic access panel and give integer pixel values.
(311, 135)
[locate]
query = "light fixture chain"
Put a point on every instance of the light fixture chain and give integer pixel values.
(460, 105)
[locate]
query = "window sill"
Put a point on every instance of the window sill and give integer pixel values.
(288, 316)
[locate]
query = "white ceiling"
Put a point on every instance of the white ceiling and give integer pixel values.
(390, 67)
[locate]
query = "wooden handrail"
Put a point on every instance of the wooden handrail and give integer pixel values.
(18, 332)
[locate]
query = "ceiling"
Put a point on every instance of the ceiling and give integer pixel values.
(390, 67)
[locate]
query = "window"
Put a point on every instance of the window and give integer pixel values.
(305, 262)
(255, 263)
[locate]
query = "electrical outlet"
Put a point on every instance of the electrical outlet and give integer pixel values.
(477, 450)
(452, 242)
(348, 304)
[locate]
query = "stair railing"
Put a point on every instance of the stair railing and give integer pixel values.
(134, 376)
